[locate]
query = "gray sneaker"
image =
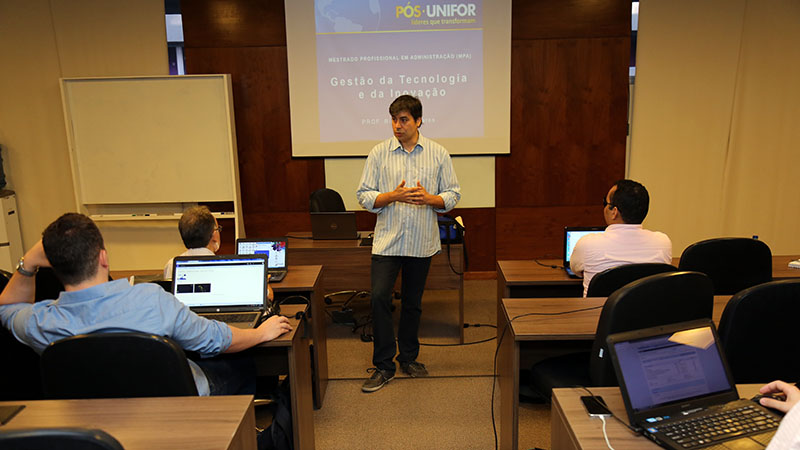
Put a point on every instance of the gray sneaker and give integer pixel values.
(378, 379)
(414, 369)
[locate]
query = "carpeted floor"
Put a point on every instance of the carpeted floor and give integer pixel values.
(448, 410)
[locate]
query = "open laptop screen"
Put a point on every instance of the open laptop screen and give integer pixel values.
(220, 282)
(571, 237)
(673, 367)
(274, 250)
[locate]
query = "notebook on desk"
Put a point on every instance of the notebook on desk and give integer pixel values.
(678, 389)
(571, 237)
(274, 251)
(333, 225)
(229, 288)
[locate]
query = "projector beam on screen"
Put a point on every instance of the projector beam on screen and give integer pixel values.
(349, 59)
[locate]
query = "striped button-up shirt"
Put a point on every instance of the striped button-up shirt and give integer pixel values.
(403, 229)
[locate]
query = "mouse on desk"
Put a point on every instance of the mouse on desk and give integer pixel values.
(780, 396)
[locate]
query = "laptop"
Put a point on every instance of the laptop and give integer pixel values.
(675, 380)
(228, 288)
(274, 251)
(333, 225)
(571, 237)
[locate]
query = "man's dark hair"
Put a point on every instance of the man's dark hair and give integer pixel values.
(72, 244)
(406, 103)
(632, 201)
(196, 226)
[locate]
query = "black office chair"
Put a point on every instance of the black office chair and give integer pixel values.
(732, 264)
(58, 438)
(24, 382)
(659, 299)
(326, 200)
(757, 331)
(114, 365)
(606, 282)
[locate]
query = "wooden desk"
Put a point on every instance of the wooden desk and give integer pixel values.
(291, 353)
(348, 264)
(537, 331)
(151, 423)
(526, 278)
(572, 429)
(306, 281)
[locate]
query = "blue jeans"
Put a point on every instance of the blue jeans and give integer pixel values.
(384, 275)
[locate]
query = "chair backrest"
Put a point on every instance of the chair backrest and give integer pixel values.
(24, 382)
(58, 438)
(114, 365)
(606, 282)
(757, 331)
(326, 200)
(732, 264)
(659, 299)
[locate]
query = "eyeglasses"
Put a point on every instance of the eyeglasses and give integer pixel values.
(218, 228)
(607, 203)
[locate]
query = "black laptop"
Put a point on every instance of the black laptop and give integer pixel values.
(678, 389)
(571, 237)
(333, 225)
(274, 251)
(228, 288)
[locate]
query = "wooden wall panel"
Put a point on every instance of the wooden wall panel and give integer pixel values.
(568, 122)
(525, 233)
(548, 19)
(233, 23)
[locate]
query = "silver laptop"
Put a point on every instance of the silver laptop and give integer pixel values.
(273, 249)
(678, 389)
(228, 288)
(571, 237)
(334, 225)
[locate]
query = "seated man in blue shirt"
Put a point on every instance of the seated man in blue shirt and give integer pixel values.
(73, 247)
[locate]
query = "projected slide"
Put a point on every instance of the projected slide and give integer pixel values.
(349, 59)
(369, 52)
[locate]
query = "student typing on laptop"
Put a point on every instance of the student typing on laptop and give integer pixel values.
(624, 241)
(73, 247)
(200, 234)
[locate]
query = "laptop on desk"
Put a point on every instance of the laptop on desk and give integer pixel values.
(678, 389)
(333, 225)
(274, 251)
(229, 288)
(571, 237)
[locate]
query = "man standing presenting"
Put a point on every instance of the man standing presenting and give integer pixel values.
(406, 180)
(624, 241)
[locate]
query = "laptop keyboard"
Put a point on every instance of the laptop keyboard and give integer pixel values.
(723, 425)
(232, 318)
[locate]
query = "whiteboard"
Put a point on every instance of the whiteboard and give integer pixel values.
(137, 140)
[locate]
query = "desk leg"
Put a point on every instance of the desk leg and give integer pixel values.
(320, 329)
(302, 396)
(508, 379)
(560, 436)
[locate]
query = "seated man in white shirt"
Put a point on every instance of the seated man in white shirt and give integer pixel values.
(788, 435)
(624, 241)
(200, 234)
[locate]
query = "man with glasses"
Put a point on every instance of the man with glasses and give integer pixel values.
(200, 233)
(624, 241)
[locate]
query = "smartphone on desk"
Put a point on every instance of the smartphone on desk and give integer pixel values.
(595, 406)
